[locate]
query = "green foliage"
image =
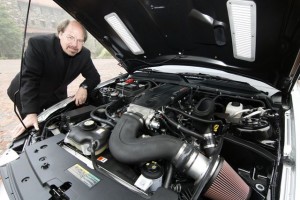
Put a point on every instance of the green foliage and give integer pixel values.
(10, 36)
(97, 50)
(104, 54)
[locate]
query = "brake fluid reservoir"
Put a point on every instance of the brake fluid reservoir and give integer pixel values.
(233, 109)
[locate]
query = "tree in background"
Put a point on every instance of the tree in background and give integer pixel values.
(10, 36)
(97, 50)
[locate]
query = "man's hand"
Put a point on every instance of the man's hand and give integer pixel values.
(29, 120)
(80, 96)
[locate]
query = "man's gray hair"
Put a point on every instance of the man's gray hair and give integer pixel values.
(63, 25)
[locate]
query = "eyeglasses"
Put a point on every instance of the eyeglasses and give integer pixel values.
(71, 38)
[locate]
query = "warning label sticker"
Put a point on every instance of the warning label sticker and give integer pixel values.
(83, 175)
(102, 159)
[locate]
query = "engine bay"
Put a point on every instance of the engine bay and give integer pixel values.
(196, 143)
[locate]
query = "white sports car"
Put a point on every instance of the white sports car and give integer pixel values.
(208, 108)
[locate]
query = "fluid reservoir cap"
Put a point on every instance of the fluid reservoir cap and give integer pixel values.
(101, 113)
(130, 80)
(152, 170)
(235, 104)
(89, 125)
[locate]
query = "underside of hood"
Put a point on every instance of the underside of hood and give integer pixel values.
(199, 33)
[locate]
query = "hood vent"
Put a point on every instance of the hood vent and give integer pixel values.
(119, 27)
(242, 19)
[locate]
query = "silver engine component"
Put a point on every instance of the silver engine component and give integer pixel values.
(146, 113)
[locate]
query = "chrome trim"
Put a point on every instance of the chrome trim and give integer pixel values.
(296, 66)
(46, 113)
(290, 161)
(287, 186)
(180, 151)
(287, 148)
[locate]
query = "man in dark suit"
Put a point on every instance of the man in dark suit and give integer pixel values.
(51, 62)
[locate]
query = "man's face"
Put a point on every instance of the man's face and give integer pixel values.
(72, 39)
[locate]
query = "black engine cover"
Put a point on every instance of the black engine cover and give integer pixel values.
(161, 96)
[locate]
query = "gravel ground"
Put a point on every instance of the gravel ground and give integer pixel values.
(108, 68)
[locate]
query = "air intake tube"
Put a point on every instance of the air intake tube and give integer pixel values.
(126, 146)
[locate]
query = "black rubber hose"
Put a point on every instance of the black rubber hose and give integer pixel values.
(180, 135)
(126, 146)
(98, 119)
(193, 117)
(44, 132)
(168, 178)
(183, 129)
(107, 114)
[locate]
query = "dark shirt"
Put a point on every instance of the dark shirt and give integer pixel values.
(67, 60)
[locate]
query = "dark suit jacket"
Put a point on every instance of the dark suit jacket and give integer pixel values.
(44, 80)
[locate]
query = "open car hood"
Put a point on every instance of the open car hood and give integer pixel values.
(200, 33)
(190, 134)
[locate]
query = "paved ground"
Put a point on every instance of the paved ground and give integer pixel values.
(108, 68)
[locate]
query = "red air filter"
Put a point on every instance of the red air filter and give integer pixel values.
(227, 184)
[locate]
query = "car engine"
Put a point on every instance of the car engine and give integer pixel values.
(194, 142)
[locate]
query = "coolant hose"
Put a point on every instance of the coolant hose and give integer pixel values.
(101, 120)
(182, 128)
(193, 117)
